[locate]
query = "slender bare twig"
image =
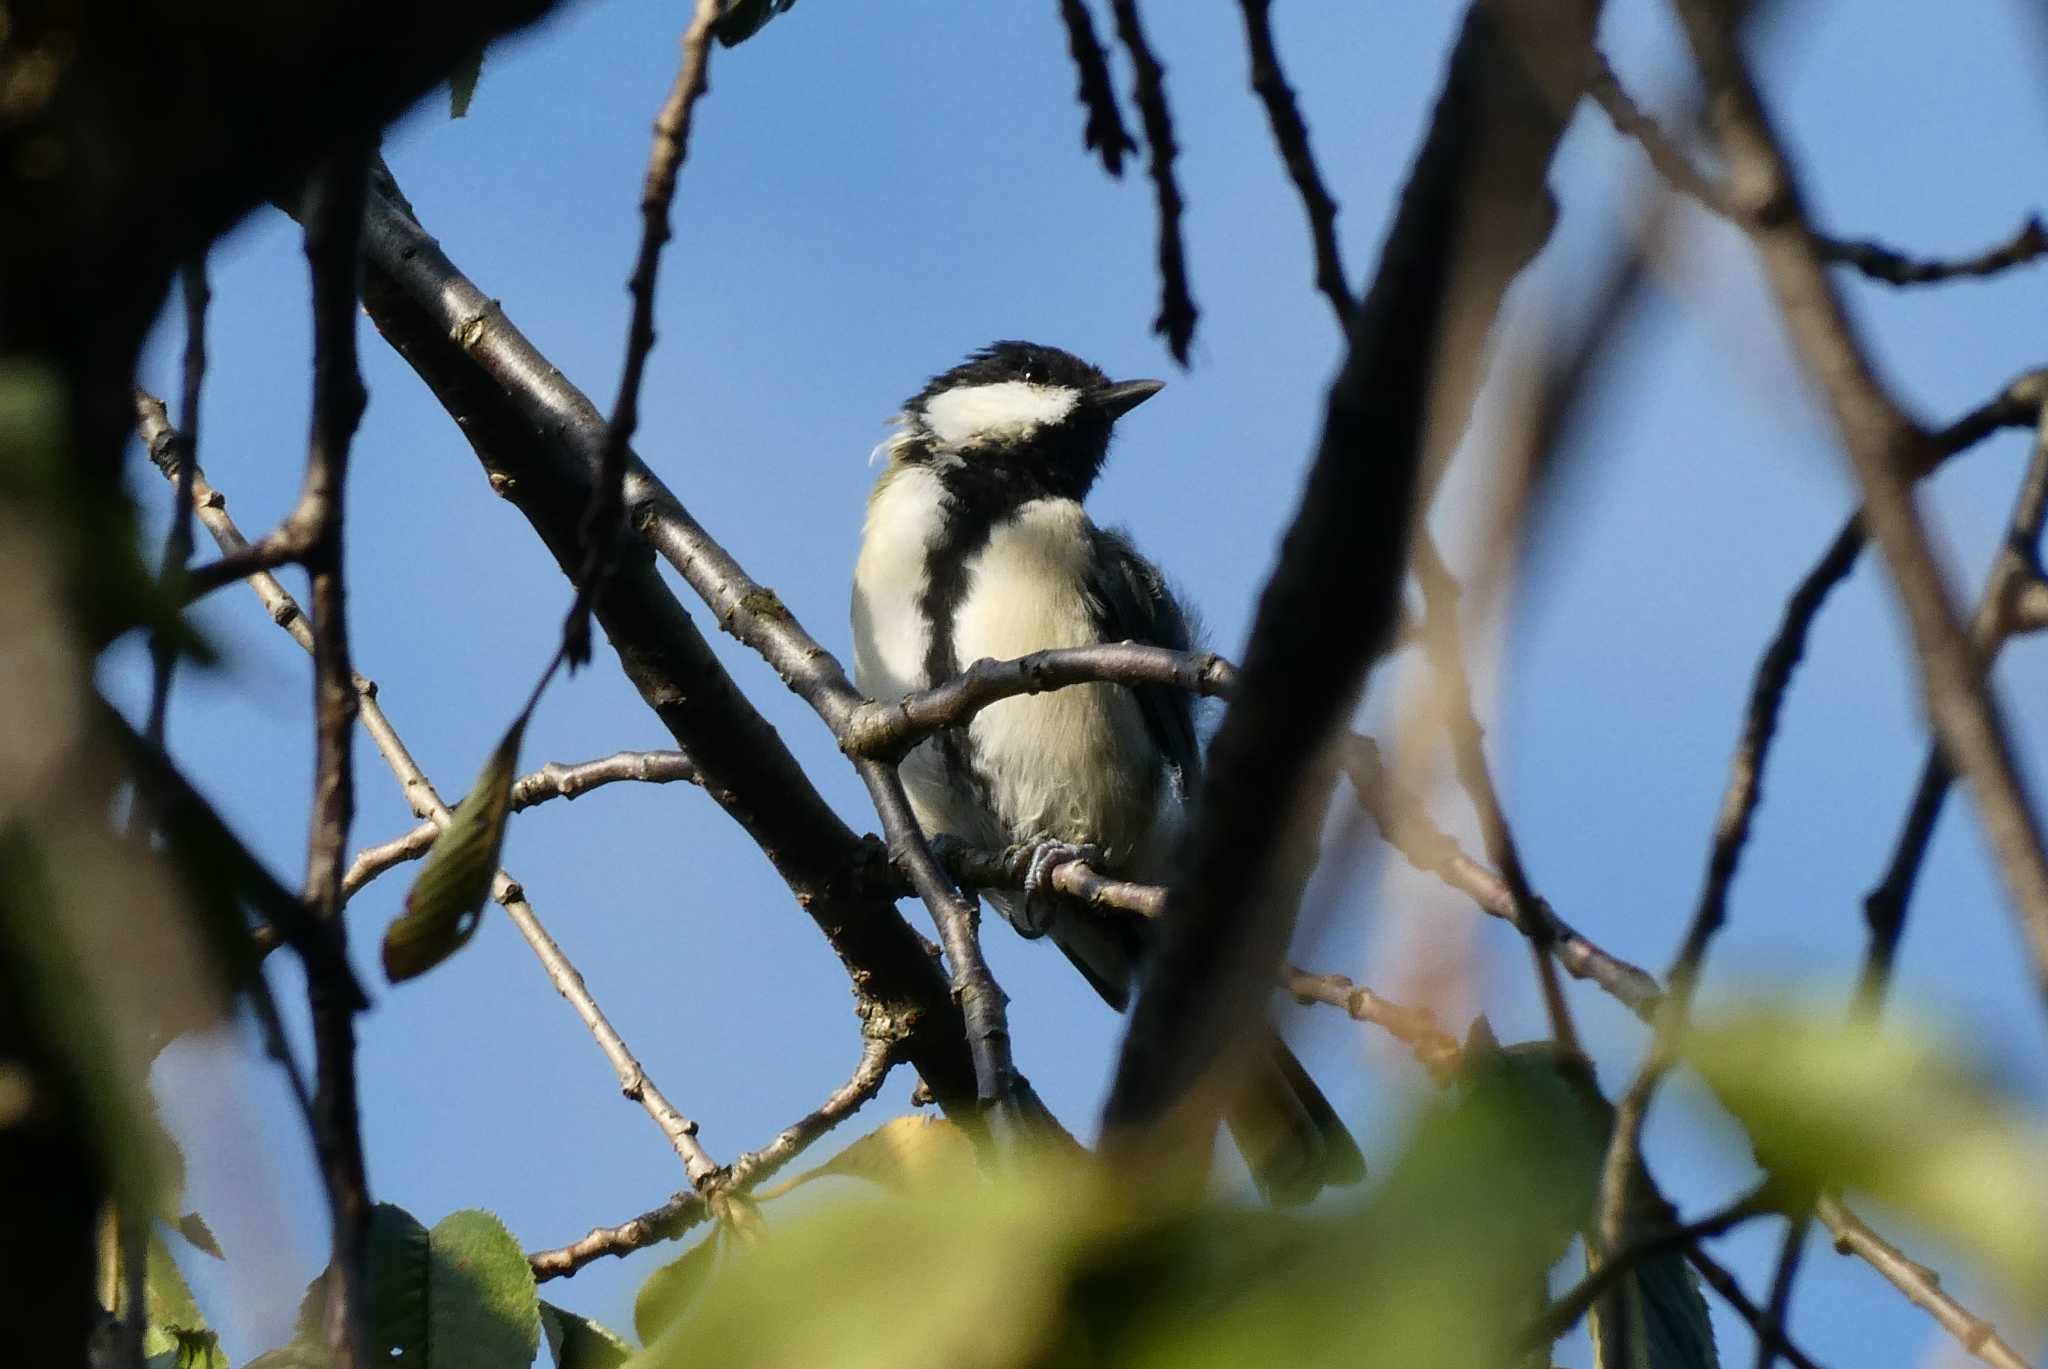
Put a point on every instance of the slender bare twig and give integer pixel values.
(1269, 82)
(1564, 1313)
(421, 796)
(1921, 1285)
(552, 781)
(1791, 1253)
(2014, 570)
(1176, 320)
(163, 655)
(685, 1210)
(1874, 259)
(1887, 449)
(1104, 131)
(604, 520)
(1435, 1049)
(1724, 1283)
(333, 236)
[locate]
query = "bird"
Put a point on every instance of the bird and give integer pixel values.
(976, 545)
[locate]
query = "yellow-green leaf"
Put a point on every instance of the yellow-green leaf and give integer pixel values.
(446, 902)
(1892, 1115)
(902, 1153)
(671, 1289)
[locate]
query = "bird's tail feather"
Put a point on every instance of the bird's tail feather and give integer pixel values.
(1287, 1131)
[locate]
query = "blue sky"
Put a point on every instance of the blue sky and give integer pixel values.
(872, 192)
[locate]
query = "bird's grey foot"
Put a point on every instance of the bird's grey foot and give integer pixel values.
(1034, 914)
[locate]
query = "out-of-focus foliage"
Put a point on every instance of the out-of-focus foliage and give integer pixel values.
(742, 19)
(580, 1343)
(1890, 1114)
(1444, 1265)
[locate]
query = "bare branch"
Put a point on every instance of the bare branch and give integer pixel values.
(1104, 131)
(334, 219)
(552, 781)
(1873, 259)
(2013, 582)
(1791, 1251)
(1724, 1283)
(421, 796)
(1921, 1285)
(1176, 321)
(1435, 1049)
(1887, 450)
(603, 520)
(1291, 134)
(539, 438)
(685, 1210)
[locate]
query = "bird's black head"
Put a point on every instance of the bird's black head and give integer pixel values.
(1020, 419)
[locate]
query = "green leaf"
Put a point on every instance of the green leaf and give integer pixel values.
(446, 902)
(742, 19)
(199, 1235)
(901, 1153)
(483, 1312)
(670, 1290)
(577, 1342)
(1894, 1116)
(462, 84)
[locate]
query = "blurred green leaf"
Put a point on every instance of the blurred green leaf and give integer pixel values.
(671, 1289)
(742, 19)
(483, 1312)
(577, 1342)
(1442, 1267)
(462, 84)
(446, 902)
(199, 1235)
(1892, 1115)
(901, 1153)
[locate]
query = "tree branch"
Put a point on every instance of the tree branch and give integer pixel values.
(1176, 321)
(552, 781)
(603, 520)
(1887, 449)
(1873, 259)
(1269, 83)
(538, 437)
(1921, 1285)
(1104, 131)
(1513, 78)
(685, 1210)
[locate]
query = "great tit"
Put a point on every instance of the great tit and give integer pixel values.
(976, 545)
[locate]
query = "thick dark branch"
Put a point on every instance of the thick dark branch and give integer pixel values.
(1873, 259)
(552, 781)
(1887, 450)
(603, 521)
(1104, 130)
(1176, 321)
(1270, 84)
(334, 219)
(1513, 79)
(538, 437)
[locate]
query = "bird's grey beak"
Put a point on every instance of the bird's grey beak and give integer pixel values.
(1125, 395)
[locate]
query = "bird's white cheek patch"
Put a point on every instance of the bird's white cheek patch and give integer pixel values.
(973, 414)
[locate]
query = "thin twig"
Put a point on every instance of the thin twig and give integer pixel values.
(1435, 1049)
(552, 781)
(1176, 320)
(163, 655)
(685, 1210)
(1791, 1252)
(1887, 449)
(1874, 259)
(1104, 131)
(1724, 1283)
(2015, 568)
(333, 237)
(1563, 1314)
(604, 520)
(1269, 82)
(1921, 1285)
(424, 801)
